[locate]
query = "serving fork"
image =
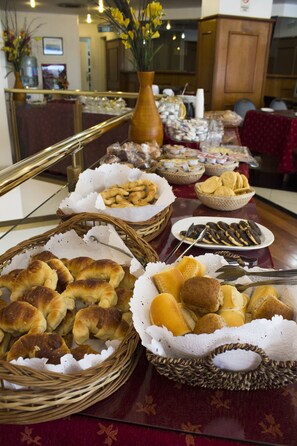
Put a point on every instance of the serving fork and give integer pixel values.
(242, 287)
(229, 272)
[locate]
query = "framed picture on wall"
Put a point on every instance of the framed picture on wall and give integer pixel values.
(54, 76)
(52, 46)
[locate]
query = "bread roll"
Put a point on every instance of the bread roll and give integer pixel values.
(165, 311)
(170, 281)
(190, 267)
(233, 317)
(209, 323)
(202, 294)
(232, 298)
(259, 295)
(270, 306)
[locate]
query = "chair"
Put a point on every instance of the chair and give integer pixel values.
(242, 106)
(278, 104)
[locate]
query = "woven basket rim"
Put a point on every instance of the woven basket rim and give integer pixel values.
(222, 198)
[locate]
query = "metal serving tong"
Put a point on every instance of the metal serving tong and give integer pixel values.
(180, 243)
(242, 287)
(229, 272)
(197, 240)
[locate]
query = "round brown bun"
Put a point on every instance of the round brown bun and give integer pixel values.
(202, 294)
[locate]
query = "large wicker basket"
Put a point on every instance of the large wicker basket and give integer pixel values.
(147, 230)
(50, 395)
(202, 372)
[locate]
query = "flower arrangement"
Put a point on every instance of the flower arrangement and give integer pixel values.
(137, 30)
(16, 40)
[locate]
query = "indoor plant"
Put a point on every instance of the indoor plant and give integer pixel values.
(137, 30)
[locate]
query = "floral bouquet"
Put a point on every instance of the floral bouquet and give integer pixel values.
(137, 29)
(16, 40)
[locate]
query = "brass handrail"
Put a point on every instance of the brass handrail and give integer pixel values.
(16, 174)
(113, 94)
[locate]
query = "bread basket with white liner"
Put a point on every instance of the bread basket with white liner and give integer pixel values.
(33, 391)
(222, 203)
(148, 221)
(260, 354)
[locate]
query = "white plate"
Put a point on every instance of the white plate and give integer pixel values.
(267, 237)
(268, 110)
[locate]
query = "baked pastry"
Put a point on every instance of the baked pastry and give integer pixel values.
(232, 298)
(270, 306)
(259, 294)
(101, 323)
(165, 311)
(50, 303)
(65, 327)
(37, 273)
(64, 275)
(92, 291)
(202, 294)
(209, 323)
(45, 345)
(77, 264)
(190, 267)
(123, 299)
(104, 269)
(21, 317)
(170, 280)
(128, 281)
(233, 317)
(80, 351)
(44, 256)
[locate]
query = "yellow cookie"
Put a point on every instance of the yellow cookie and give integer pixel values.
(243, 190)
(239, 181)
(245, 181)
(229, 179)
(210, 185)
(224, 191)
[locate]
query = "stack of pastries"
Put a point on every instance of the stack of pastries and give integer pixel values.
(191, 302)
(54, 306)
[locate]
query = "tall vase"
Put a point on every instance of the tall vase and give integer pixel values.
(18, 84)
(146, 124)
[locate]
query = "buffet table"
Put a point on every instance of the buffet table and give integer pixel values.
(272, 133)
(152, 410)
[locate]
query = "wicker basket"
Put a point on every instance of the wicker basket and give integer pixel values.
(222, 203)
(52, 395)
(218, 169)
(202, 372)
(181, 177)
(148, 230)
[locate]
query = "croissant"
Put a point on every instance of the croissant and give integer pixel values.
(77, 264)
(50, 303)
(4, 344)
(128, 280)
(8, 280)
(64, 275)
(102, 323)
(37, 273)
(82, 350)
(44, 256)
(123, 295)
(46, 345)
(92, 291)
(103, 269)
(21, 317)
(65, 327)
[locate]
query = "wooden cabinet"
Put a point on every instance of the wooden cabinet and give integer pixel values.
(232, 59)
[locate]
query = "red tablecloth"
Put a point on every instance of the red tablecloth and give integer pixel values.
(272, 133)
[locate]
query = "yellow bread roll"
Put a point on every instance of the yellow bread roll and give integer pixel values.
(232, 298)
(169, 280)
(165, 311)
(270, 306)
(190, 267)
(209, 323)
(233, 318)
(258, 296)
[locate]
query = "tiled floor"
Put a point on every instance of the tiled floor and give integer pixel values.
(282, 198)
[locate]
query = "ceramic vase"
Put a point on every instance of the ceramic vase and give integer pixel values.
(18, 84)
(146, 124)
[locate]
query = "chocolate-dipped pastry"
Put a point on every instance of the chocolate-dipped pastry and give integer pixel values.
(235, 227)
(212, 235)
(223, 226)
(245, 240)
(232, 237)
(243, 224)
(255, 239)
(223, 238)
(212, 225)
(254, 227)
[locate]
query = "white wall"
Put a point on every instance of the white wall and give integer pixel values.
(5, 148)
(256, 8)
(284, 10)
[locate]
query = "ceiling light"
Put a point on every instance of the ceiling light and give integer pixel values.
(174, 37)
(89, 18)
(183, 35)
(168, 26)
(32, 3)
(178, 48)
(100, 6)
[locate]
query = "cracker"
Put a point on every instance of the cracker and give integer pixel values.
(210, 185)
(224, 191)
(239, 181)
(243, 190)
(245, 181)
(229, 179)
